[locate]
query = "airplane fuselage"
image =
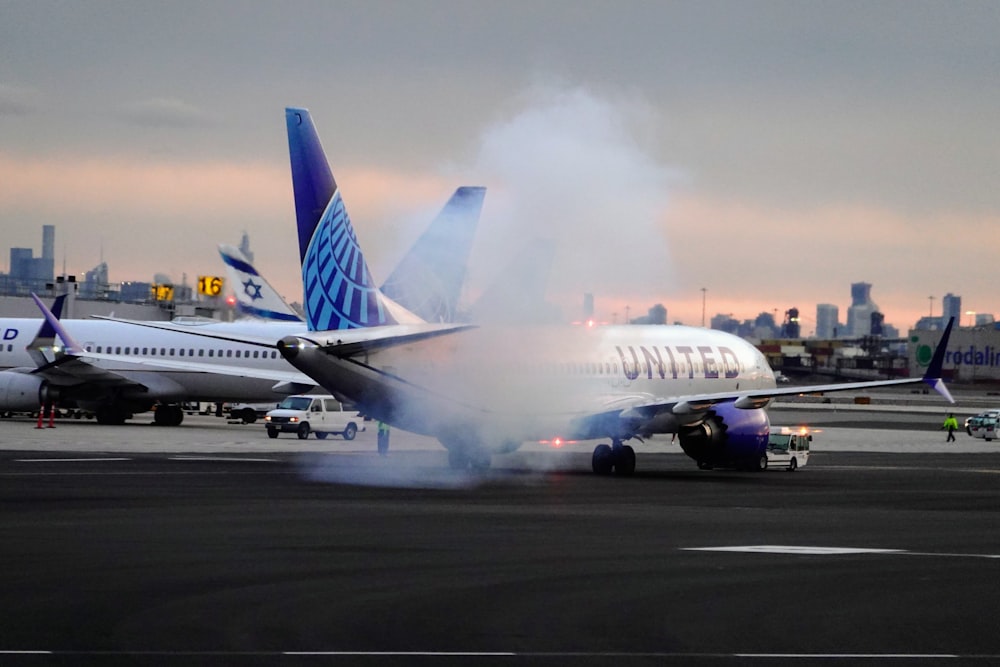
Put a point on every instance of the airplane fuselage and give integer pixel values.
(154, 364)
(501, 386)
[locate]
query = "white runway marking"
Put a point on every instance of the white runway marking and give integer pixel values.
(514, 654)
(221, 458)
(79, 460)
(832, 551)
(809, 551)
(852, 656)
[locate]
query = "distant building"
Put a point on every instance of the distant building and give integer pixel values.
(827, 321)
(656, 315)
(764, 326)
(791, 327)
(95, 283)
(133, 291)
(725, 322)
(25, 267)
(951, 306)
(859, 315)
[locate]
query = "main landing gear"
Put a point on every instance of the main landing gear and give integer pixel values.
(616, 457)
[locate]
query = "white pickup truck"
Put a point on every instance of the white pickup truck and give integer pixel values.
(311, 413)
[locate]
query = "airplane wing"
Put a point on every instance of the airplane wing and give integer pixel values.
(632, 409)
(640, 408)
(246, 339)
(352, 342)
(75, 365)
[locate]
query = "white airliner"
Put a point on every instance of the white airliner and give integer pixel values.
(482, 390)
(116, 368)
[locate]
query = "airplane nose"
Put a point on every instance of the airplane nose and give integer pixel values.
(288, 347)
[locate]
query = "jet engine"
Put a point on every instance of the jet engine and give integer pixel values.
(727, 437)
(23, 391)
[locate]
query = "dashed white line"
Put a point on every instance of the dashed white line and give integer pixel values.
(221, 458)
(832, 551)
(809, 551)
(91, 459)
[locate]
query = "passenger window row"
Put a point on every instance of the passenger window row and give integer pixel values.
(182, 352)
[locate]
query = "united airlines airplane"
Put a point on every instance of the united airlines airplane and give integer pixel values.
(482, 390)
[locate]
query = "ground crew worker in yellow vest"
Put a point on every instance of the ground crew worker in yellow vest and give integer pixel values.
(383, 438)
(951, 424)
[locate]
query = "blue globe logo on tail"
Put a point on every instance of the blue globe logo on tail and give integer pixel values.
(339, 291)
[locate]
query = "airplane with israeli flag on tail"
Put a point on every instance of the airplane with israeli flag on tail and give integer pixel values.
(254, 295)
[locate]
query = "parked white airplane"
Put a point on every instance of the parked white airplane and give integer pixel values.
(482, 390)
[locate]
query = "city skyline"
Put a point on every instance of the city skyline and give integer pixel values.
(825, 324)
(768, 153)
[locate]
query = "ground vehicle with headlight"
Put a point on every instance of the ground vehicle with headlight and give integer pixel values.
(319, 414)
(788, 448)
(984, 425)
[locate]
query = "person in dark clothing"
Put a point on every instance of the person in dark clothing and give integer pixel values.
(383, 438)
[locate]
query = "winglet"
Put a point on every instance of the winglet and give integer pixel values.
(70, 345)
(934, 370)
(46, 332)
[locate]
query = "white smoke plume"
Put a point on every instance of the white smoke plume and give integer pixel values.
(572, 167)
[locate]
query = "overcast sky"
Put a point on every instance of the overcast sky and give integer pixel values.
(769, 152)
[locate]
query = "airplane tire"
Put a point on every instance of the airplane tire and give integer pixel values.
(625, 461)
(603, 460)
(303, 431)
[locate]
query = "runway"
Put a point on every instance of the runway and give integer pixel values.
(134, 545)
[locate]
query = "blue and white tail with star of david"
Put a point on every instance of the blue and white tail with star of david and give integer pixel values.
(254, 295)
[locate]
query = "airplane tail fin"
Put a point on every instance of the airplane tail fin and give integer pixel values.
(254, 295)
(339, 290)
(935, 369)
(312, 181)
(428, 280)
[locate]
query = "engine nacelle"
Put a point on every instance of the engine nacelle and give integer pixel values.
(727, 437)
(23, 391)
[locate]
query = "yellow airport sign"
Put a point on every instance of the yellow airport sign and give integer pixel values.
(210, 285)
